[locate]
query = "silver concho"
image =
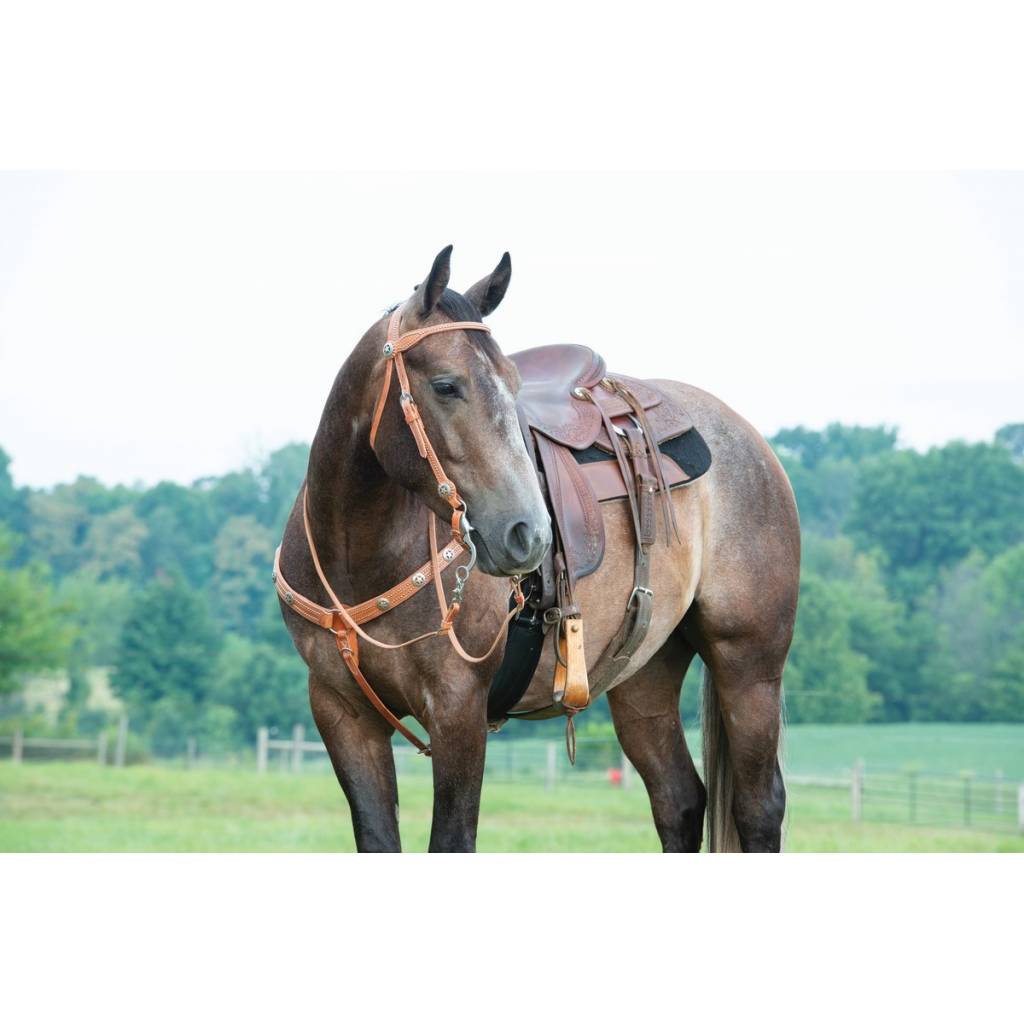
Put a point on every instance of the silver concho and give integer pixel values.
(388, 348)
(419, 579)
(449, 555)
(444, 489)
(383, 604)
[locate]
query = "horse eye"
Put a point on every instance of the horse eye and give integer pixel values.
(445, 388)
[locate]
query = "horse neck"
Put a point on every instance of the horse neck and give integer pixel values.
(368, 529)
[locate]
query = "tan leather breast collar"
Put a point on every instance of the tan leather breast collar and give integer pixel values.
(345, 622)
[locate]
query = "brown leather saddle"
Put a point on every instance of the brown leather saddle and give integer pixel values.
(594, 437)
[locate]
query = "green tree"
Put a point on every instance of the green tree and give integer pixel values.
(824, 467)
(927, 512)
(261, 686)
(880, 628)
(234, 494)
(167, 651)
(826, 678)
(13, 502)
(56, 527)
(836, 441)
(112, 545)
(180, 531)
(973, 672)
(35, 633)
(280, 478)
(98, 610)
(242, 556)
(1012, 437)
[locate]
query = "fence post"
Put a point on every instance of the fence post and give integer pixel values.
(1020, 808)
(262, 748)
(190, 752)
(552, 766)
(101, 748)
(298, 734)
(627, 772)
(17, 746)
(122, 741)
(857, 790)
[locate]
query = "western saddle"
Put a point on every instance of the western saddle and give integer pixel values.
(594, 437)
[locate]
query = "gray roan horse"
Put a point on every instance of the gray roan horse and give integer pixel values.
(727, 592)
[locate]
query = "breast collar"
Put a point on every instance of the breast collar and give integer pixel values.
(345, 621)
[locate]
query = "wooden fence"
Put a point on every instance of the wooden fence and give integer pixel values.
(20, 743)
(293, 750)
(964, 799)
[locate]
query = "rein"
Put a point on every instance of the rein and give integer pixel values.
(344, 621)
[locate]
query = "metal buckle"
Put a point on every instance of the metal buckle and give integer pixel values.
(637, 591)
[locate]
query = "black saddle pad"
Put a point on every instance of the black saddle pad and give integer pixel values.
(689, 451)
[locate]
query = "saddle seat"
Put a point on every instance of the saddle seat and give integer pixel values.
(564, 390)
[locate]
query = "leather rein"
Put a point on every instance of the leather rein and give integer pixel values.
(345, 621)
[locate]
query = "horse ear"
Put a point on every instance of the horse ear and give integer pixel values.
(487, 294)
(430, 291)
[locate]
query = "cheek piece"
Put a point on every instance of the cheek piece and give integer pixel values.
(345, 621)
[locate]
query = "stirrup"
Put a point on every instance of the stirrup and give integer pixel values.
(571, 686)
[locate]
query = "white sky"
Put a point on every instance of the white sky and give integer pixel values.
(160, 326)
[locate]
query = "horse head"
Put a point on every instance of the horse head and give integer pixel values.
(463, 390)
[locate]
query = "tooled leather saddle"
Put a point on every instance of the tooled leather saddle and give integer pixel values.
(594, 437)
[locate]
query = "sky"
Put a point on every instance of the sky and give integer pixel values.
(174, 326)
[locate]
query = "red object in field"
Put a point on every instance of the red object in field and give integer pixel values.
(615, 776)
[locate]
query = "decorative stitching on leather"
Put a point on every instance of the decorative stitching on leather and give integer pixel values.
(584, 494)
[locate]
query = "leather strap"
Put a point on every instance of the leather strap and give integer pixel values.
(345, 622)
(393, 349)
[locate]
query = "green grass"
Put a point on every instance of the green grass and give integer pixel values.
(926, 746)
(82, 807)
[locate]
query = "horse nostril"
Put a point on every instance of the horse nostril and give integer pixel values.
(519, 541)
(525, 543)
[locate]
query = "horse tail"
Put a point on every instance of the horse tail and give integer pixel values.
(718, 777)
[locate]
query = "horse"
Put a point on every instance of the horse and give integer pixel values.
(386, 460)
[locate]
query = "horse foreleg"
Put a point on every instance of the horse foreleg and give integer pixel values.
(359, 745)
(645, 711)
(458, 745)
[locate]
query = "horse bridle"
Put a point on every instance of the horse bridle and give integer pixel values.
(345, 621)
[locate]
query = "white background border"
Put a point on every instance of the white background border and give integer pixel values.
(517, 87)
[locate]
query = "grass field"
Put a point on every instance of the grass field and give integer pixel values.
(83, 807)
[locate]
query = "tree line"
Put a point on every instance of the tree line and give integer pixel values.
(911, 603)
